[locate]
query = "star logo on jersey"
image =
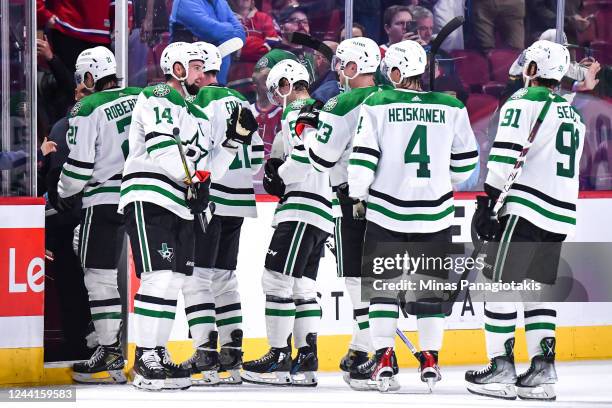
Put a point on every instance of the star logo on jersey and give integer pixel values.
(331, 104)
(262, 63)
(299, 104)
(166, 252)
(519, 94)
(161, 90)
(75, 109)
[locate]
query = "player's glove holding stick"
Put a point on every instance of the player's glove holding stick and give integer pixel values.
(308, 117)
(485, 220)
(241, 126)
(272, 181)
(344, 198)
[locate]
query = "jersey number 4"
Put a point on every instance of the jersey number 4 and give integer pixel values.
(418, 141)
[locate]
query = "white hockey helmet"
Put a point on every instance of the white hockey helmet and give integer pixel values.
(552, 60)
(182, 53)
(407, 56)
(363, 51)
(211, 55)
(98, 61)
(289, 69)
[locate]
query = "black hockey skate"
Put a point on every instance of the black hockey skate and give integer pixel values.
(537, 382)
(230, 360)
(378, 373)
(204, 363)
(497, 379)
(104, 367)
(273, 368)
(305, 365)
(429, 369)
(177, 377)
(351, 360)
(149, 374)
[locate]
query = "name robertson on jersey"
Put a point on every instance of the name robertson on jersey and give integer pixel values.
(416, 114)
(119, 109)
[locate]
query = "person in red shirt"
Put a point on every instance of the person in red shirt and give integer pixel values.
(261, 36)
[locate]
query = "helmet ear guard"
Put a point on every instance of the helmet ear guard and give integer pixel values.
(99, 62)
(408, 57)
(547, 60)
(290, 70)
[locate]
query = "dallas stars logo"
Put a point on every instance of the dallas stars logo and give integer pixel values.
(161, 90)
(331, 104)
(75, 109)
(166, 253)
(519, 94)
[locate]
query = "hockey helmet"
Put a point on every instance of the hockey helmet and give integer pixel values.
(407, 56)
(552, 60)
(182, 53)
(291, 70)
(98, 61)
(211, 55)
(363, 51)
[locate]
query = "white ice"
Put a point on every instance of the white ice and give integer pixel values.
(581, 384)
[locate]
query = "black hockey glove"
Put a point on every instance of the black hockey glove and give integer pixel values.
(344, 198)
(485, 223)
(241, 126)
(197, 196)
(308, 116)
(272, 182)
(65, 204)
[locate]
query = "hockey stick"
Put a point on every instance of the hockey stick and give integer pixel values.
(229, 46)
(446, 307)
(308, 41)
(451, 26)
(176, 132)
(408, 343)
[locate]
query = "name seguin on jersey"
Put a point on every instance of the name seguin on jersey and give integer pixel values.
(406, 114)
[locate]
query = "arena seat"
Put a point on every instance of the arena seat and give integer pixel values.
(472, 68)
(480, 107)
(500, 61)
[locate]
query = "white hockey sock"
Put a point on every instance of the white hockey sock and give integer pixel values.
(307, 318)
(228, 310)
(104, 303)
(383, 322)
(361, 340)
(500, 324)
(151, 307)
(280, 309)
(431, 331)
(199, 305)
(540, 322)
(171, 297)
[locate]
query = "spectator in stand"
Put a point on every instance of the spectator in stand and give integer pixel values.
(261, 36)
(444, 11)
(542, 15)
(326, 86)
(212, 21)
(396, 21)
(425, 24)
(503, 16)
(294, 19)
(74, 26)
(358, 31)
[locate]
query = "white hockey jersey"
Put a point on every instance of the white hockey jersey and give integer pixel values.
(546, 191)
(308, 194)
(97, 137)
(409, 148)
(153, 170)
(232, 191)
(330, 146)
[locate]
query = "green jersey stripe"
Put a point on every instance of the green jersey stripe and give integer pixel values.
(363, 325)
(300, 159)
(75, 175)
(230, 320)
(426, 316)
(154, 313)
(540, 326)
(499, 329)
(201, 320)
(383, 314)
(155, 189)
(308, 313)
(463, 169)
(236, 203)
(411, 217)
(280, 313)
(548, 214)
(110, 189)
(306, 207)
(502, 159)
(364, 163)
(161, 145)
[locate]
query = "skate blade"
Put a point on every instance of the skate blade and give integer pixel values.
(148, 385)
(304, 379)
(496, 390)
(102, 377)
(386, 384)
(543, 392)
(278, 378)
(230, 377)
(177, 383)
(205, 378)
(431, 383)
(346, 377)
(362, 385)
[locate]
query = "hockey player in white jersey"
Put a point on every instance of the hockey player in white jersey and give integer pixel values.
(409, 149)
(97, 138)
(539, 209)
(328, 138)
(211, 294)
(159, 204)
(303, 221)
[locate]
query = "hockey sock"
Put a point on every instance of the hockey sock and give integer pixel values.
(500, 324)
(151, 308)
(227, 304)
(431, 331)
(361, 340)
(199, 304)
(307, 310)
(171, 296)
(105, 303)
(280, 309)
(383, 317)
(540, 319)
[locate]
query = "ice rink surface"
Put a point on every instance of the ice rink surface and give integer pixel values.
(581, 384)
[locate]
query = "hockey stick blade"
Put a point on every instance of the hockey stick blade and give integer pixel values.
(230, 46)
(311, 42)
(451, 26)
